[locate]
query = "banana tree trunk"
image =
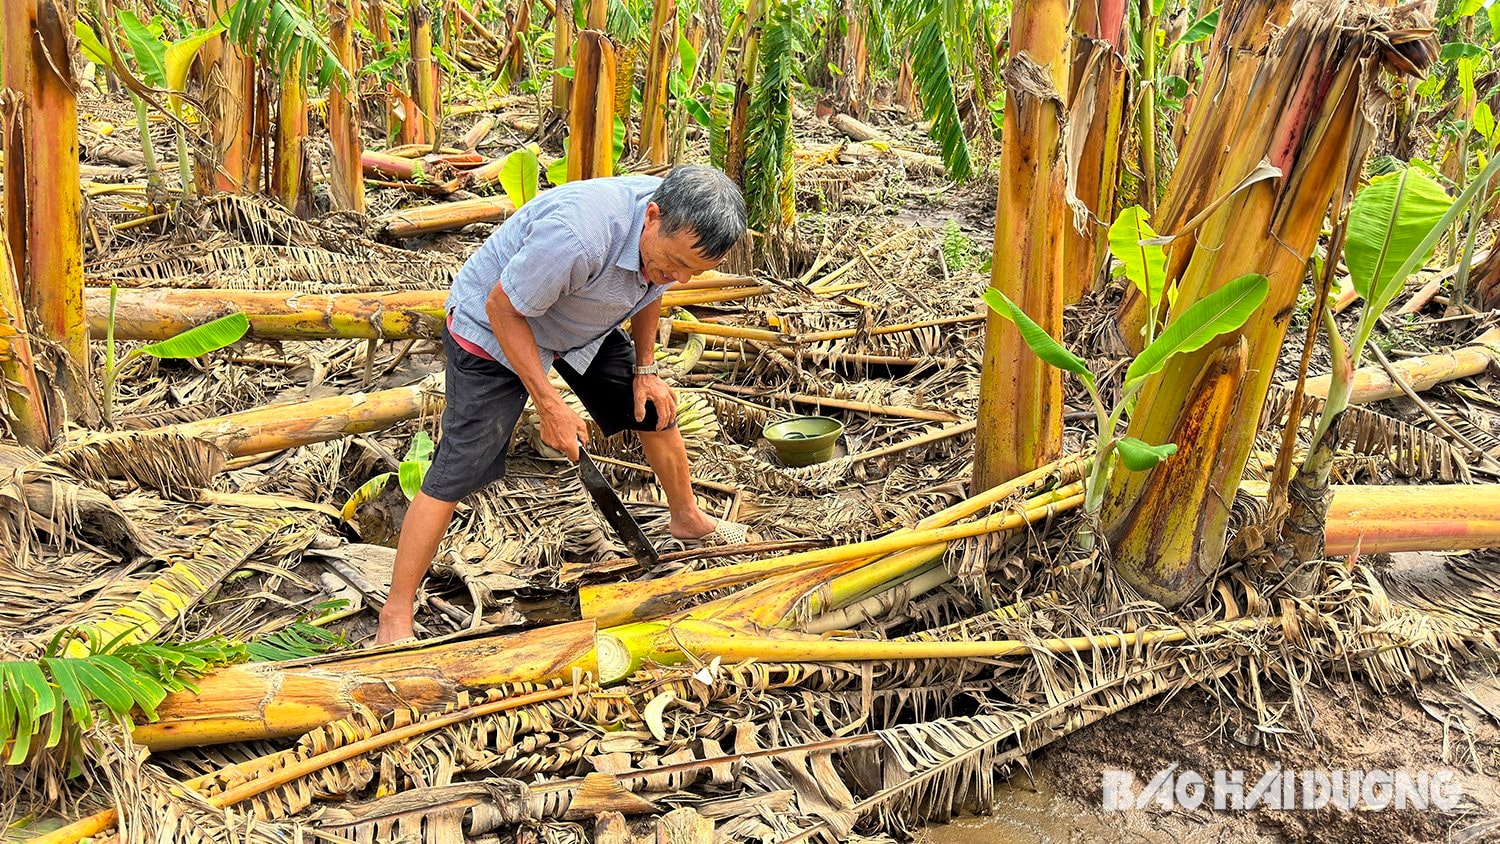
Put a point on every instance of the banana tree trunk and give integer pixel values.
(1020, 397)
(282, 426)
(621, 650)
(237, 111)
(23, 393)
(1303, 113)
(1147, 111)
(739, 109)
(591, 119)
(1389, 519)
(43, 217)
(426, 219)
(619, 603)
(424, 80)
(394, 101)
(270, 700)
(658, 68)
(906, 89)
(1240, 42)
(1097, 96)
(845, 58)
(562, 56)
(515, 51)
(291, 138)
(346, 182)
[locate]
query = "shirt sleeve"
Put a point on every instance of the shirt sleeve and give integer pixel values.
(550, 264)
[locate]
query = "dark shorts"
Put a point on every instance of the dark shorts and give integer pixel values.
(485, 399)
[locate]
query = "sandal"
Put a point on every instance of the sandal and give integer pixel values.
(724, 533)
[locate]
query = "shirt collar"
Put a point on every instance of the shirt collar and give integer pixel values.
(630, 254)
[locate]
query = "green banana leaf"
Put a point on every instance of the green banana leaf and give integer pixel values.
(1145, 263)
(1388, 223)
(199, 341)
(1138, 455)
(518, 175)
(1040, 341)
(414, 465)
(1219, 312)
(146, 47)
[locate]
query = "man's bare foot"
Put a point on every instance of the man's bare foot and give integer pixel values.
(394, 627)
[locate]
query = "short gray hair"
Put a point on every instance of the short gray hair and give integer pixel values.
(704, 201)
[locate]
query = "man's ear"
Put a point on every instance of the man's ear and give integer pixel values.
(653, 212)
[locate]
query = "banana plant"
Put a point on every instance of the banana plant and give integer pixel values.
(285, 36)
(164, 65)
(1394, 225)
(193, 343)
(410, 474)
(82, 678)
(1220, 312)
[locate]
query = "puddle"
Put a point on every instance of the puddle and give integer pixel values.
(1028, 810)
(1023, 815)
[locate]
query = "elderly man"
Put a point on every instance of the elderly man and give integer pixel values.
(550, 288)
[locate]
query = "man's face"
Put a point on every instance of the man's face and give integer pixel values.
(669, 259)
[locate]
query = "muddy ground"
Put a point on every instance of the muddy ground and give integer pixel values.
(1441, 726)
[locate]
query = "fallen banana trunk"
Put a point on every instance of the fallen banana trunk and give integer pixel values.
(1374, 519)
(282, 426)
(622, 650)
(263, 701)
(1388, 519)
(429, 219)
(618, 603)
(432, 171)
(274, 700)
(1373, 383)
(915, 163)
(159, 313)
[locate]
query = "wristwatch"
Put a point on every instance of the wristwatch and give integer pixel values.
(649, 369)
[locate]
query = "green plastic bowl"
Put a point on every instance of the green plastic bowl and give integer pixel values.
(804, 440)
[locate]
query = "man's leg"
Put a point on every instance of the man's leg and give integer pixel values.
(422, 529)
(484, 400)
(667, 455)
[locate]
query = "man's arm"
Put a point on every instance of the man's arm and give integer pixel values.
(650, 388)
(562, 429)
(643, 326)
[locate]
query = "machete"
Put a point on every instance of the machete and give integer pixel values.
(614, 511)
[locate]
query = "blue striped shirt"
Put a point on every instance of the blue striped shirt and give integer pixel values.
(570, 261)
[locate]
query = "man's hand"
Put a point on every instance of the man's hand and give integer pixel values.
(650, 388)
(563, 429)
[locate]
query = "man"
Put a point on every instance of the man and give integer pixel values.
(550, 288)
